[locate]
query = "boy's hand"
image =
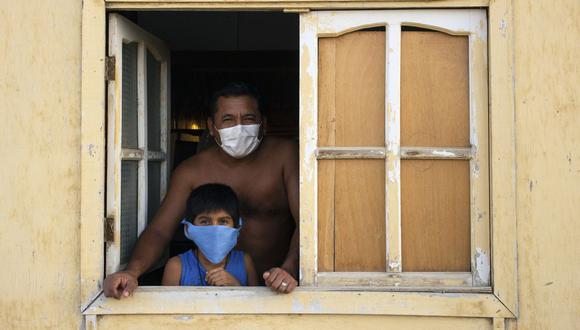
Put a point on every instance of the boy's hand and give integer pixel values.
(279, 280)
(119, 285)
(220, 277)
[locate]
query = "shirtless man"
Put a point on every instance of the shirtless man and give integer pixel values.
(264, 174)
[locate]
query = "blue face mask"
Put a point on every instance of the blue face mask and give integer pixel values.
(215, 242)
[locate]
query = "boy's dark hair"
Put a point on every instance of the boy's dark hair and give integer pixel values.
(213, 197)
(235, 89)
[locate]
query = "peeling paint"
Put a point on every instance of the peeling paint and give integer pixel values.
(91, 150)
(443, 153)
(482, 269)
(503, 27)
(183, 317)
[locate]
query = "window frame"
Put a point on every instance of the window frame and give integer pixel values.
(500, 304)
(465, 22)
(121, 32)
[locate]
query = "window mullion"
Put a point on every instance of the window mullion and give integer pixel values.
(165, 128)
(392, 141)
(142, 133)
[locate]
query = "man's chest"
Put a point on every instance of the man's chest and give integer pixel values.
(260, 189)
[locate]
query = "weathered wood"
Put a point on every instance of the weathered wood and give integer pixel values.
(308, 142)
(243, 300)
(122, 31)
(92, 156)
(132, 154)
(291, 4)
(434, 89)
(359, 225)
(383, 280)
(326, 215)
(503, 153)
(435, 216)
(326, 137)
(392, 141)
(381, 153)
(435, 153)
(350, 153)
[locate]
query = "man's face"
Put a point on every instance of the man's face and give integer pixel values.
(233, 111)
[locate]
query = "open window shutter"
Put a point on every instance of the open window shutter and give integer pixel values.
(137, 143)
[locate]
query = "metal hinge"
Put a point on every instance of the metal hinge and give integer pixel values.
(110, 68)
(109, 229)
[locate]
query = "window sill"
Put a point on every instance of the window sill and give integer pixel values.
(246, 300)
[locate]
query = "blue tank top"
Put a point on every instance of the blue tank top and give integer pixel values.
(193, 272)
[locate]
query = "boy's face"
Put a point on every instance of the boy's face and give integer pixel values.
(216, 218)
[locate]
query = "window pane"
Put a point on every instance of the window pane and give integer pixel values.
(153, 103)
(434, 89)
(129, 207)
(153, 189)
(351, 215)
(352, 89)
(129, 132)
(435, 223)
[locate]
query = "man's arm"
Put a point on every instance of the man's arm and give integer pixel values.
(154, 238)
(284, 279)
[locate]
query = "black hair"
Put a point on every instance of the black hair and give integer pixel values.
(213, 197)
(236, 89)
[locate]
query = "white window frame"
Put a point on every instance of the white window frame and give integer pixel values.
(122, 31)
(500, 304)
(468, 22)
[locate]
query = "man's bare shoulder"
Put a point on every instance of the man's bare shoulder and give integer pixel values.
(195, 165)
(281, 146)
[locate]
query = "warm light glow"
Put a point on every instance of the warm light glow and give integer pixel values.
(194, 125)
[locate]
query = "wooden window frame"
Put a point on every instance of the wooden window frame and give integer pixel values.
(499, 304)
(119, 34)
(471, 23)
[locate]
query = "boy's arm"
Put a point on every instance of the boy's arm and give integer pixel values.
(172, 272)
(251, 271)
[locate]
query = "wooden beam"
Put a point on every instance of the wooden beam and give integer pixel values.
(350, 153)
(408, 279)
(435, 153)
(92, 196)
(245, 300)
(132, 154)
(290, 4)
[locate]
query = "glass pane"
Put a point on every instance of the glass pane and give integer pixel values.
(153, 189)
(435, 211)
(129, 133)
(352, 89)
(129, 207)
(153, 103)
(351, 215)
(434, 89)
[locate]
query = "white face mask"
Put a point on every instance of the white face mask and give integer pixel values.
(239, 141)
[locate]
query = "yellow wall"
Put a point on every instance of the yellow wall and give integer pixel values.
(39, 171)
(298, 322)
(40, 177)
(548, 162)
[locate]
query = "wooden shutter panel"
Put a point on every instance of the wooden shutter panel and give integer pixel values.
(435, 194)
(352, 113)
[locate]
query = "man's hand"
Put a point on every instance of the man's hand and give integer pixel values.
(220, 277)
(279, 280)
(119, 285)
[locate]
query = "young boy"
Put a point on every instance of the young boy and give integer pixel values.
(213, 224)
